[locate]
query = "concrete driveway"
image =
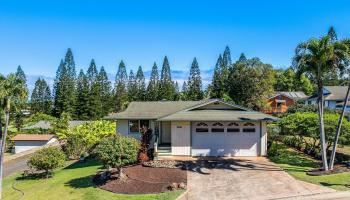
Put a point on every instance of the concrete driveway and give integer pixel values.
(256, 178)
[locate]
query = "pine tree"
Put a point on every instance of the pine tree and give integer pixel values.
(177, 95)
(153, 85)
(226, 58)
(132, 87)
(21, 75)
(41, 97)
(242, 58)
(183, 94)
(106, 92)
(65, 87)
(166, 89)
(82, 111)
(95, 101)
(141, 85)
(121, 96)
(217, 86)
(194, 91)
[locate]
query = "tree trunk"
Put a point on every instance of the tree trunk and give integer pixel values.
(322, 133)
(3, 141)
(336, 138)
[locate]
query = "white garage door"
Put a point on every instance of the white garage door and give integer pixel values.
(225, 138)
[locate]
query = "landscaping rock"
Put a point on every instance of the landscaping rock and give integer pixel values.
(163, 164)
(173, 186)
(182, 186)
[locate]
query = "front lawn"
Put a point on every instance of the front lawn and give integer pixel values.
(297, 163)
(71, 182)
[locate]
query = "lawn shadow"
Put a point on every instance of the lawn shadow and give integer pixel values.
(81, 164)
(35, 176)
(81, 182)
(334, 184)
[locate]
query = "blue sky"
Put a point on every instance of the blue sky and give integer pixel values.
(36, 34)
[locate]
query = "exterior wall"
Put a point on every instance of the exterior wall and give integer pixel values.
(123, 126)
(263, 139)
(283, 107)
(181, 138)
(21, 146)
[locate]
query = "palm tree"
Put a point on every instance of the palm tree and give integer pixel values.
(12, 89)
(315, 58)
(341, 117)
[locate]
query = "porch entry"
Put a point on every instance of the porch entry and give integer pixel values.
(165, 133)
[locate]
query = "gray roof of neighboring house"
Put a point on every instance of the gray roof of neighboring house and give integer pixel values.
(188, 111)
(336, 93)
(47, 125)
(293, 95)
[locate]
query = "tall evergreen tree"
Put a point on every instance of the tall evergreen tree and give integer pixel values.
(153, 85)
(226, 57)
(83, 90)
(21, 75)
(194, 91)
(141, 85)
(132, 87)
(217, 85)
(166, 90)
(121, 96)
(177, 95)
(95, 101)
(65, 87)
(242, 58)
(184, 91)
(41, 97)
(106, 92)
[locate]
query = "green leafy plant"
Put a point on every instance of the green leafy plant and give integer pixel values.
(47, 159)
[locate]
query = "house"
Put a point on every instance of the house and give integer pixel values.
(46, 125)
(333, 97)
(280, 101)
(25, 142)
(197, 128)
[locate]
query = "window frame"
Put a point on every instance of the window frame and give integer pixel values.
(139, 125)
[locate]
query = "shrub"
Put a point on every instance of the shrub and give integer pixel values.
(83, 138)
(145, 143)
(118, 151)
(47, 159)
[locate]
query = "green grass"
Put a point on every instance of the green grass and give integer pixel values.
(297, 163)
(72, 182)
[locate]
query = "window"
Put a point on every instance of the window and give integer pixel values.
(136, 125)
(233, 127)
(133, 126)
(250, 128)
(217, 127)
(202, 127)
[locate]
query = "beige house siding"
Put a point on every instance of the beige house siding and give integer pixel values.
(123, 126)
(263, 139)
(181, 138)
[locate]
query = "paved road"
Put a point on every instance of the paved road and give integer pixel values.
(16, 165)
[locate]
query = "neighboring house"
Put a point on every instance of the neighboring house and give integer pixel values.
(197, 128)
(333, 97)
(46, 125)
(280, 101)
(25, 142)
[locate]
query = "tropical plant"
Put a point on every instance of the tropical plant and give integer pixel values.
(315, 58)
(47, 159)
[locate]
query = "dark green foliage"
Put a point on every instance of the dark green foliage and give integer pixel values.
(218, 83)
(95, 101)
(105, 92)
(250, 82)
(132, 87)
(300, 107)
(153, 85)
(177, 92)
(82, 108)
(21, 75)
(47, 159)
(242, 58)
(41, 100)
(65, 86)
(141, 85)
(194, 87)
(121, 96)
(286, 80)
(226, 59)
(166, 89)
(118, 151)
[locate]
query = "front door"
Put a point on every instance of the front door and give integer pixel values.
(166, 132)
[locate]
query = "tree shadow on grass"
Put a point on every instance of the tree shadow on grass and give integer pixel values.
(334, 184)
(82, 182)
(87, 163)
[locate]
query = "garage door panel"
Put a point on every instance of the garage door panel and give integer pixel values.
(224, 144)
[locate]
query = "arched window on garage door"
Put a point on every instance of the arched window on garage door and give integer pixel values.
(217, 127)
(233, 127)
(249, 127)
(202, 127)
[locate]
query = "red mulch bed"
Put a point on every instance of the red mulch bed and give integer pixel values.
(143, 180)
(336, 169)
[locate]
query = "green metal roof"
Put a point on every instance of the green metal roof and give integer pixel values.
(153, 109)
(218, 115)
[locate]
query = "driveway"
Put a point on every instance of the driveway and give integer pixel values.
(15, 165)
(256, 178)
